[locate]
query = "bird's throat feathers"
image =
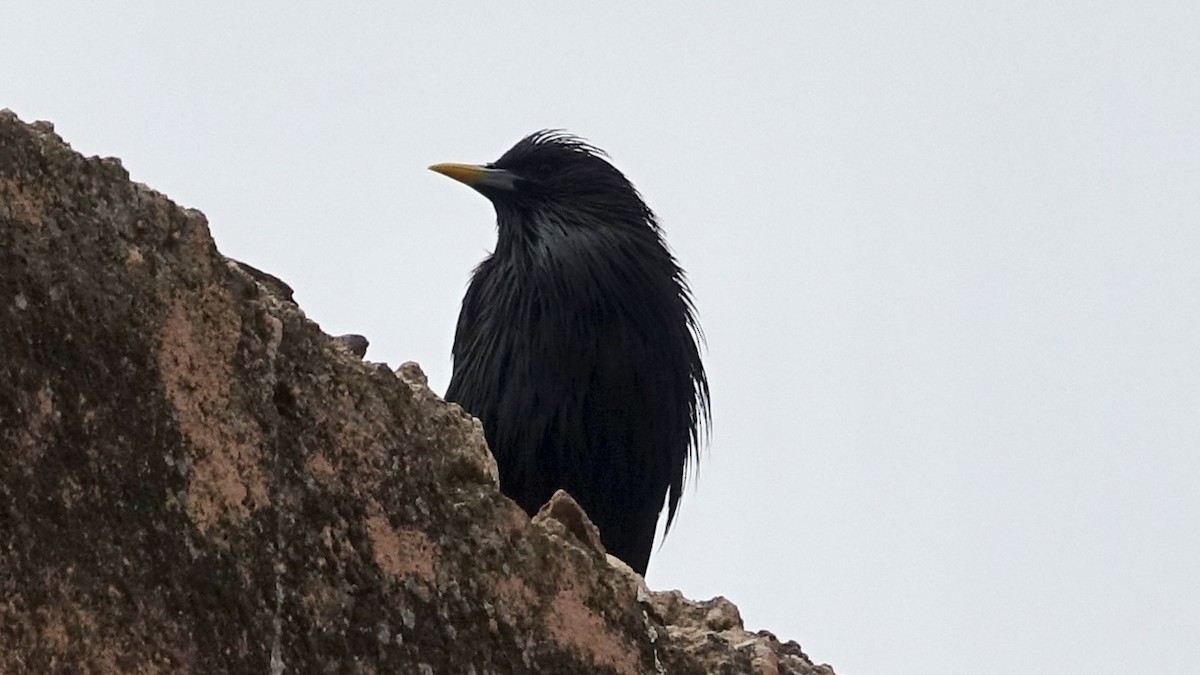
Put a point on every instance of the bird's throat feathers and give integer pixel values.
(532, 234)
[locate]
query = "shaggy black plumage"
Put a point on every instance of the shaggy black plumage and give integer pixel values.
(577, 342)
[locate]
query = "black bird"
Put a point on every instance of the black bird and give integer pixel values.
(577, 342)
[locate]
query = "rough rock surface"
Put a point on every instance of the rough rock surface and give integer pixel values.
(711, 633)
(195, 478)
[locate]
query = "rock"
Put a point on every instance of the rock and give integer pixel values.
(710, 634)
(355, 344)
(562, 515)
(194, 478)
(273, 284)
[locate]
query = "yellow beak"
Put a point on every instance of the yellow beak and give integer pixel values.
(479, 177)
(463, 173)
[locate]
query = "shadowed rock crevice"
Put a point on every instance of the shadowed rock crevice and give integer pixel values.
(195, 478)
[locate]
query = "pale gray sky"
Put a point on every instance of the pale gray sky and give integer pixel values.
(945, 256)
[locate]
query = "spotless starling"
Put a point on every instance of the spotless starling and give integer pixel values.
(577, 343)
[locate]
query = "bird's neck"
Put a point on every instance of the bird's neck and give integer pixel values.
(522, 235)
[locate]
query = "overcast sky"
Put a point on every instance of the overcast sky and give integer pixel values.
(946, 258)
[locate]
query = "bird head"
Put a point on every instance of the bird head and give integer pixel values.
(552, 177)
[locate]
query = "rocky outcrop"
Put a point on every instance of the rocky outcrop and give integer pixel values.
(195, 478)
